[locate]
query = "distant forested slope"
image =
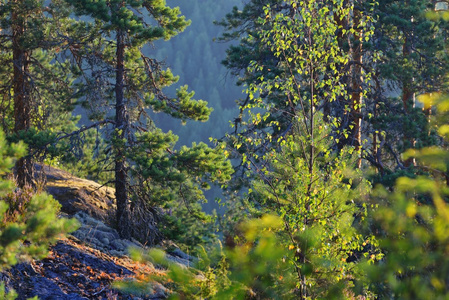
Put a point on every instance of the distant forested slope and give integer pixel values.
(196, 57)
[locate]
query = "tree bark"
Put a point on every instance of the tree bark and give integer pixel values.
(121, 126)
(21, 91)
(407, 93)
(342, 23)
(408, 98)
(356, 113)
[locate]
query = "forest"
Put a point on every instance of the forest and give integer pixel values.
(295, 149)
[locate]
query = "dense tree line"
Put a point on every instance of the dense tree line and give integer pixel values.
(324, 201)
(358, 85)
(196, 57)
(119, 84)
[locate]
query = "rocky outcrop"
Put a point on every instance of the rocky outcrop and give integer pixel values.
(75, 271)
(85, 265)
(77, 194)
(102, 237)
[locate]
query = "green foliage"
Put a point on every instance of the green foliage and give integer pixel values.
(261, 267)
(228, 273)
(47, 73)
(188, 226)
(174, 180)
(11, 295)
(403, 54)
(412, 60)
(293, 62)
(85, 156)
(413, 225)
(35, 77)
(25, 217)
(310, 247)
(39, 226)
(321, 208)
(38, 141)
(422, 68)
(200, 68)
(7, 155)
(29, 221)
(293, 147)
(156, 178)
(184, 107)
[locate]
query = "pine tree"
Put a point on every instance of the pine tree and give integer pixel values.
(317, 206)
(34, 81)
(297, 166)
(304, 183)
(405, 55)
(412, 61)
(412, 225)
(29, 221)
(255, 61)
(116, 68)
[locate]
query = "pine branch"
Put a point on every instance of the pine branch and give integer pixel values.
(84, 128)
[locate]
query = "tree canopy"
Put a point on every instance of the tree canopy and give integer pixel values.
(333, 170)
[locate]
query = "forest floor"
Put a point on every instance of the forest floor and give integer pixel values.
(85, 264)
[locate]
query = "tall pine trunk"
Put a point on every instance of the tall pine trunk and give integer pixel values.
(342, 23)
(408, 97)
(121, 126)
(356, 113)
(407, 93)
(22, 105)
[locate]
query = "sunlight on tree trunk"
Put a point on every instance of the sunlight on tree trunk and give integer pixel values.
(22, 105)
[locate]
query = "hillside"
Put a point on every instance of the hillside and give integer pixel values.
(85, 264)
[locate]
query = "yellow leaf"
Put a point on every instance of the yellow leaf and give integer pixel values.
(428, 99)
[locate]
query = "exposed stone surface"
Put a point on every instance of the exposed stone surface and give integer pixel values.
(85, 265)
(77, 194)
(28, 283)
(73, 271)
(100, 236)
